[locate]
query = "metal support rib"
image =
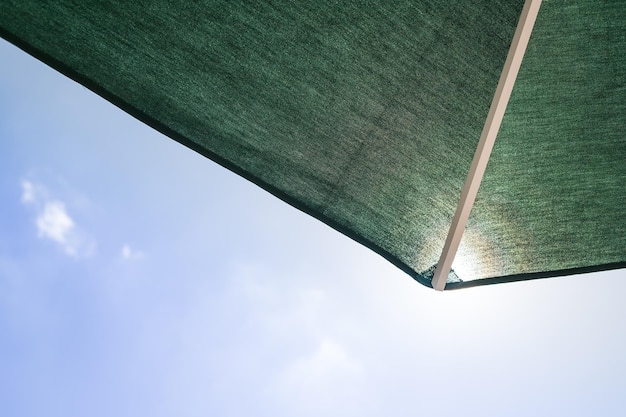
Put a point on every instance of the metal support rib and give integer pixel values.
(487, 140)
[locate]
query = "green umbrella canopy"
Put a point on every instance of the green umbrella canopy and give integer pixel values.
(367, 114)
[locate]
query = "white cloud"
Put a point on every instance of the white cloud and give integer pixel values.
(129, 254)
(53, 221)
(55, 224)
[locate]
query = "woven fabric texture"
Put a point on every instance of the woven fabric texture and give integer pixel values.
(366, 114)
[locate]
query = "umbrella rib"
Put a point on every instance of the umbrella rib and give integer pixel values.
(486, 142)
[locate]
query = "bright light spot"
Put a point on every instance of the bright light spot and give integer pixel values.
(477, 257)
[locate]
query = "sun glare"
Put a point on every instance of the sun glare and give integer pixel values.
(476, 257)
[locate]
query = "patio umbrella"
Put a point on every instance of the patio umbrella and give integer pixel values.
(368, 115)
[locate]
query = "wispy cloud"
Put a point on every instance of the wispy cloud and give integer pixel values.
(130, 254)
(53, 221)
(327, 365)
(330, 374)
(328, 362)
(28, 192)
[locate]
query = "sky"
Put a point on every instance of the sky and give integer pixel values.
(139, 278)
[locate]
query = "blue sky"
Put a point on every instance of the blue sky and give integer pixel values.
(139, 278)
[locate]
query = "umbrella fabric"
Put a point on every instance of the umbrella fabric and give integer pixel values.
(553, 199)
(366, 114)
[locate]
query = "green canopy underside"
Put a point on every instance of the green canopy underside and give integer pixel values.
(366, 114)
